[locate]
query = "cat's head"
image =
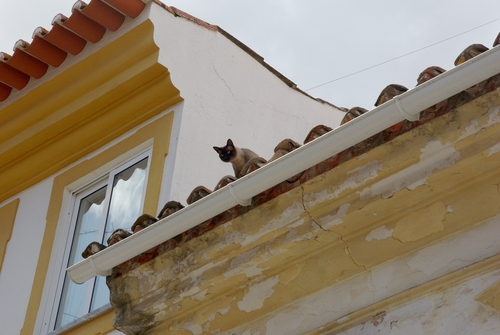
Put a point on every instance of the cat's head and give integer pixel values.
(226, 152)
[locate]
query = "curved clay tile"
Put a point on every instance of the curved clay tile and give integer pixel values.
(12, 77)
(101, 13)
(82, 26)
(62, 38)
(170, 208)
(389, 92)
(284, 147)
(198, 193)
(43, 50)
(429, 73)
(353, 113)
(316, 132)
(470, 52)
(224, 181)
(26, 63)
(130, 8)
(143, 221)
(4, 91)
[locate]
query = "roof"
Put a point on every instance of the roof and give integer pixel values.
(68, 36)
(88, 23)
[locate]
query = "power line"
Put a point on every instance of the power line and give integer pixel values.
(401, 56)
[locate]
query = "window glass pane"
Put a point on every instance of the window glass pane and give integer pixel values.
(125, 207)
(126, 198)
(74, 299)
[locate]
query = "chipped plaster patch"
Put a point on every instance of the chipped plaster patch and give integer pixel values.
(494, 149)
(421, 223)
(192, 328)
(257, 295)
(359, 176)
(290, 217)
(381, 233)
(332, 220)
(434, 156)
(200, 296)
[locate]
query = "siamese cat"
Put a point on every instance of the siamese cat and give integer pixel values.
(238, 157)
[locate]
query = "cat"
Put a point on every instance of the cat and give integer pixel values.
(238, 157)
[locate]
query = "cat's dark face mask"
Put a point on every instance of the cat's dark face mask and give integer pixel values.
(225, 155)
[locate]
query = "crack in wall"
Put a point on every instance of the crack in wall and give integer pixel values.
(215, 69)
(346, 248)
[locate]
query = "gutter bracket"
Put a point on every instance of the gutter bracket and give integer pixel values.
(242, 202)
(406, 115)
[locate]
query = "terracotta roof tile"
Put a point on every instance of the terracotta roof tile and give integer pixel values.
(87, 23)
(25, 63)
(169, 208)
(82, 25)
(43, 50)
(353, 113)
(198, 193)
(470, 52)
(429, 73)
(101, 13)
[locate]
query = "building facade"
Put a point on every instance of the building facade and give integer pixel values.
(385, 224)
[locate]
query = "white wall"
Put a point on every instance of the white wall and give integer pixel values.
(21, 258)
(228, 94)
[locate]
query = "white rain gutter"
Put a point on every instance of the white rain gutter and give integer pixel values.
(405, 106)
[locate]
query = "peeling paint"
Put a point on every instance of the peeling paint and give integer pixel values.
(192, 328)
(359, 176)
(381, 233)
(290, 217)
(494, 149)
(257, 295)
(332, 220)
(434, 156)
(200, 296)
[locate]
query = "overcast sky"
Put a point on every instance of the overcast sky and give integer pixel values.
(313, 42)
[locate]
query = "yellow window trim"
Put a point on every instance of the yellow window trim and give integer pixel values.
(157, 134)
(7, 218)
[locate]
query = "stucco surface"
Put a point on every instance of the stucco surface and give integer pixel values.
(415, 216)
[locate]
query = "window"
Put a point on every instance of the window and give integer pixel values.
(109, 203)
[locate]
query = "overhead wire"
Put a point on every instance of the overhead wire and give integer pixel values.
(401, 56)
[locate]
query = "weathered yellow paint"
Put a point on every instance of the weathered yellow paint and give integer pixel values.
(434, 182)
(82, 108)
(155, 134)
(7, 218)
(420, 223)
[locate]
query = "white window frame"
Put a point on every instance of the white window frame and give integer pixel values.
(64, 238)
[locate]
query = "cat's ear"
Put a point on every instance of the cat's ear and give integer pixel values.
(229, 143)
(219, 150)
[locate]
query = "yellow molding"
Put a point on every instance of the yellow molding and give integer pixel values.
(93, 102)
(7, 218)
